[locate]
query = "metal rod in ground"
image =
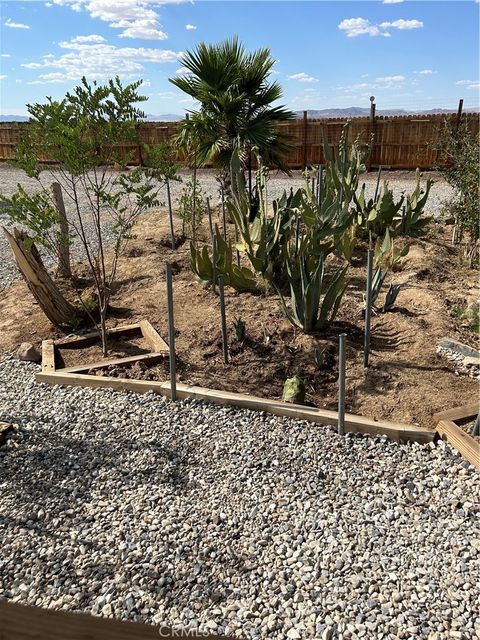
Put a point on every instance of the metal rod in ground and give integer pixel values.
(236, 242)
(378, 183)
(210, 223)
(341, 384)
(297, 236)
(170, 214)
(404, 218)
(214, 262)
(320, 185)
(476, 426)
(224, 217)
(223, 318)
(368, 307)
(171, 332)
(313, 187)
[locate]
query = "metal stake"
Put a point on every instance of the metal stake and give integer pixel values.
(368, 305)
(171, 332)
(223, 318)
(320, 185)
(341, 384)
(378, 183)
(214, 262)
(224, 218)
(210, 223)
(170, 213)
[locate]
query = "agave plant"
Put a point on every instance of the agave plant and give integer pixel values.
(391, 297)
(207, 270)
(314, 303)
(386, 253)
(413, 222)
(264, 239)
(377, 216)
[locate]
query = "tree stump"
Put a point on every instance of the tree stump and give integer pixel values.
(52, 302)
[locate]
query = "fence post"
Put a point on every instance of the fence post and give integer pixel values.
(305, 137)
(341, 384)
(223, 316)
(171, 332)
(459, 112)
(368, 307)
(63, 247)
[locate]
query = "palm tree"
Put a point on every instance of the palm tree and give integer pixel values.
(236, 112)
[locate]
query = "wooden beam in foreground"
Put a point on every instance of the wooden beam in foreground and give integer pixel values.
(463, 442)
(148, 358)
(18, 622)
(152, 336)
(459, 414)
(48, 356)
(353, 423)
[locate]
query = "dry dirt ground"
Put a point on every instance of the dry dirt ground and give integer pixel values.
(407, 381)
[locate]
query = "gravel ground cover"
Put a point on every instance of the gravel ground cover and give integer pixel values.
(232, 521)
(10, 177)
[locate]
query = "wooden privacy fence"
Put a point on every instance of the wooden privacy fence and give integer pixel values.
(398, 142)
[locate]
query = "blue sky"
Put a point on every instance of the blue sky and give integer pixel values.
(413, 55)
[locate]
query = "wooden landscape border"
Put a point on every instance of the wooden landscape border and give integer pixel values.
(143, 328)
(19, 622)
(447, 426)
(67, 376)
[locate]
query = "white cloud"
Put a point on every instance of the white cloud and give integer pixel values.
(135, 18)
(190, 27)
(15, 25)
(48, 4)
(425, 72)
(92, 38)
(358, 27)
(168, 95)
(402, 24)
(469, 84)
(5, 55)
(3, 77)
(392, 1)
(302, 77)
(181, 71)
(391, 80)
(98, 61)
(354, 27)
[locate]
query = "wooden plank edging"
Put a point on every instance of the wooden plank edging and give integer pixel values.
(458, 414)
(20, 622)
(353, 423)
(463, 442)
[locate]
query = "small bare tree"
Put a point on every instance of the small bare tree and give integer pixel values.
(86, 135)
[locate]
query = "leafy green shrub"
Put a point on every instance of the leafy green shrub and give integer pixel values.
(459, 147)
(193, 207)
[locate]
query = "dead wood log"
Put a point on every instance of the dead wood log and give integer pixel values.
(52, 302)
(63, 248)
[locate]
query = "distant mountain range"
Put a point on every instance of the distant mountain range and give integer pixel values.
(349, 112)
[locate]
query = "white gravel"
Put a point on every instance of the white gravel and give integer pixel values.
(10, 177)
(237, 522)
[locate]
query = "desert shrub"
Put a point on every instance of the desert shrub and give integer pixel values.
(460, 153)
(84, 134)
(193, 207)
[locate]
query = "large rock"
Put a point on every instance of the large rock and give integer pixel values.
(294, 390)
(458, 347)
(28, 353)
